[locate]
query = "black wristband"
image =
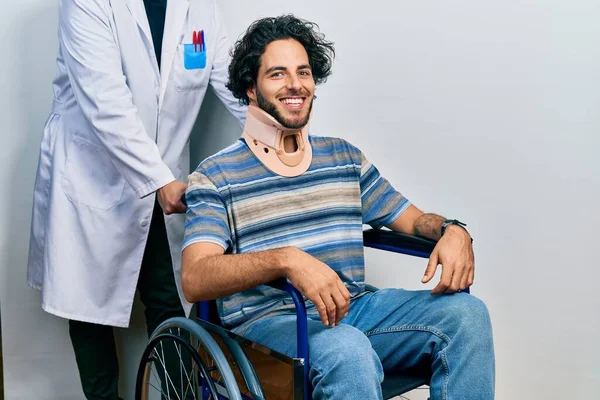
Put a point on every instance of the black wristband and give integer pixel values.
(454, 222)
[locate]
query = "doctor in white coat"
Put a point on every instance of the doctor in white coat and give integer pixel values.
(132, 77)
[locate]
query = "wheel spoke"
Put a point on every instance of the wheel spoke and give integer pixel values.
(183, 369)
(168, 377)
(201, 378)
(159, 389)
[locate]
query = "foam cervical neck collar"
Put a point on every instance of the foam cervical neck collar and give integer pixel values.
(266, 138)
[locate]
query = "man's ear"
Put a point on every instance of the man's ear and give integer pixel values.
(251, 93)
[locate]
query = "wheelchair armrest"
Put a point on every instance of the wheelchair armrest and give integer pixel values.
(283, 284)
(301, 321)
(398, 242)
(301, 324)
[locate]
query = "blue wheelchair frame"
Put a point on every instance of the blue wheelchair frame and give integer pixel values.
(378, 239)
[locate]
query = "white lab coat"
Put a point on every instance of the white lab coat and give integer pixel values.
(119, 130)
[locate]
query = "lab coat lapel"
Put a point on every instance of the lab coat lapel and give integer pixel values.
(175, 18)
(138, 11)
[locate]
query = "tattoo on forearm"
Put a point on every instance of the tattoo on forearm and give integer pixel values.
(429, 226)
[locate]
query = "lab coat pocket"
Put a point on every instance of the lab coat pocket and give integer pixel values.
(191, 69)
(193, 59)
(90, 177)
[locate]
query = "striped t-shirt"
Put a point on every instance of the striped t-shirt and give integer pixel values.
(237, 203)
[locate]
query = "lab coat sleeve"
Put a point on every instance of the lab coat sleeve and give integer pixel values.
(220, 70)
(93, 62)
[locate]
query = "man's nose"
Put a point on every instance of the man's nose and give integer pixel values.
(294, 83)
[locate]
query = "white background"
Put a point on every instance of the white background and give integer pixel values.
(486, 111)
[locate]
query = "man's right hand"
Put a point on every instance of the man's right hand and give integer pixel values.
(320, 284)
(169, 197)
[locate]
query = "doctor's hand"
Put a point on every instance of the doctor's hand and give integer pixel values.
(169, 197)
(320, 284)
(454, 252)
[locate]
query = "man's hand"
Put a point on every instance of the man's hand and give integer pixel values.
(320, 284)
(455, 252)
(169, 197)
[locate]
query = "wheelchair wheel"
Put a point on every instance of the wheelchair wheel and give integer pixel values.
(172, 367)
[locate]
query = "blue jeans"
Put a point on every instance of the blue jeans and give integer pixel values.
(392, 330)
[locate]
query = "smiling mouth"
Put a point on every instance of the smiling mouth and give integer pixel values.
(292, 103)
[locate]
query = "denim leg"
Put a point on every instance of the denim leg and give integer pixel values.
(449, 333)
(343, 363)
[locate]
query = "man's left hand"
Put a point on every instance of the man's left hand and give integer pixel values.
(454, 252)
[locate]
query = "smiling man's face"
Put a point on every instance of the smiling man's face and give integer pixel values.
(284, 86)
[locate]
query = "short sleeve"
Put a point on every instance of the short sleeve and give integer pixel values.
(206, 217)
(381, 203)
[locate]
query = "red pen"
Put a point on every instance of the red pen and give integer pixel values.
(195, 40)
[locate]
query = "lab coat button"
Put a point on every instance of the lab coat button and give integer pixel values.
(144, 223)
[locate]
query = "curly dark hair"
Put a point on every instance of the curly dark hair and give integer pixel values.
(245, 62)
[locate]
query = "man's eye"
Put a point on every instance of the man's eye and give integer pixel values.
(276, 74)
(305, 73)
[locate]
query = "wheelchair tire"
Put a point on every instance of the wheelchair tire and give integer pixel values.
(182, 374)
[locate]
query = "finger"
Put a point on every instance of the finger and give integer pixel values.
(445, 280)
(329, 307)
(340, 304)
(464, 282)
(322, 309)
(346, 296)
(175, 206)
(180, 207)
(472, 269)
(457, 277)
(431, 267)
(472, 275)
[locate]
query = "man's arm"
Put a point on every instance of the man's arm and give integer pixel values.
(453, 250)
(208, 273)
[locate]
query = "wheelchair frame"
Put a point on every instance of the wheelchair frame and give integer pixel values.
(378, 239)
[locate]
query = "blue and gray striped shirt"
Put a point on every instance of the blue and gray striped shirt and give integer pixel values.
(237, 203)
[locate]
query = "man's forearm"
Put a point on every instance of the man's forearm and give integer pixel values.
(215, 276)
(429, 226)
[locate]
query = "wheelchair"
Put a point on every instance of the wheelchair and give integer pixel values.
(198, 359)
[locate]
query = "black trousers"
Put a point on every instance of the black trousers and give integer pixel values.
(94, 345)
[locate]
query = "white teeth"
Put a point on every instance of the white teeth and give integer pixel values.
(292, 101)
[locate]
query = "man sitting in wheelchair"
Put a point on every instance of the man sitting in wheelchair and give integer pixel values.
(282, 203)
